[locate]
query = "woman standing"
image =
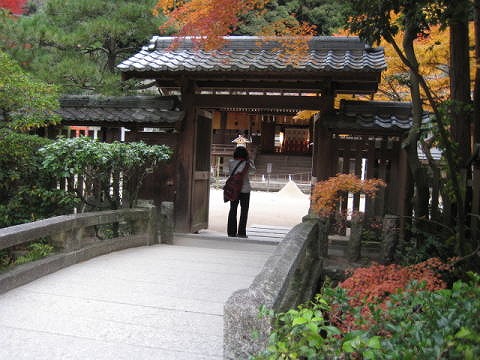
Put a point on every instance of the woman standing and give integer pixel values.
(238, 163)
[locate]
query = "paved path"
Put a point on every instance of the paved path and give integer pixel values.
(161, 302)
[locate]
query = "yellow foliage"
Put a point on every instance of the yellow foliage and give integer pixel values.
(433, 57)
(433, 54)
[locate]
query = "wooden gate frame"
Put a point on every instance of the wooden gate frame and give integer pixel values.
(249, 65)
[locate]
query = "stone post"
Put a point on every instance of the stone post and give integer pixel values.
(323, 228)
(354, 249)
(149, 225)
(390, 236)
(167, 223)
(68, 240)
(60, 240)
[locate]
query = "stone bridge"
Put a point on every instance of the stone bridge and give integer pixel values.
(145, 296)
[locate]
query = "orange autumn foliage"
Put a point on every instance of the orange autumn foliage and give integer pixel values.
(206, 20)
(375, 283)
(326, 194)
(372, 286)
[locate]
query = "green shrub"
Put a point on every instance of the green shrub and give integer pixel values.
(300, 333)
(442, 324)
(101, 165)
(26, 192)
(35, 251)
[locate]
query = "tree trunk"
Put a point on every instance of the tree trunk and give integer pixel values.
(475, 225)
(460, 95)
(460, 88)
(419, 175)
(476, 91)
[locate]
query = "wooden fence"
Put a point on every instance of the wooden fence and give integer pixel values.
(368, 156)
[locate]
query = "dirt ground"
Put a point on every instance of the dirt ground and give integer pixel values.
(283, 208)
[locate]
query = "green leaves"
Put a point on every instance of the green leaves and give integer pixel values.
(26, 193)
(26, 103)
(36, 251)
(443, 324)
(78, 156)
(77, 44)
(301, 333)
(326, 16)
(101, 165)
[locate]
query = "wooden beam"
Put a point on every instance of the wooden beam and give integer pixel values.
(340, 87)
(353, 87)
(107, 123)
(292, 85)
(267, 75)
(260, 101)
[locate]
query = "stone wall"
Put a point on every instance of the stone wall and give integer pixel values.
(289, 278)
(76, 239)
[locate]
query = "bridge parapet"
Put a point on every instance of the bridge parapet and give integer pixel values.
(290, 277)
(77, 238)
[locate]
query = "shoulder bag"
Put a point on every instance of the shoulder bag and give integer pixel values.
(233, 185)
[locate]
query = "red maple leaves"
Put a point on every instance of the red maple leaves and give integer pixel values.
(15, 6)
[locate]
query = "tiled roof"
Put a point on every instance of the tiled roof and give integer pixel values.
(151, 110)
(254, 54)
(395, 116)
(379, 113)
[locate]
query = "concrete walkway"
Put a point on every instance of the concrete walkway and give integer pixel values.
(161, 302)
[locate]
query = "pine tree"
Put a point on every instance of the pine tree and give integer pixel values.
(77, 44)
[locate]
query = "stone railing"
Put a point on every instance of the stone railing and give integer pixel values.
(290, 277)
(75, 238)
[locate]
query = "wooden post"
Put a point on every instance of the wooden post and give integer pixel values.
(358, 171)
(392, 193)
(371, 167)
(404, 200)
(185, 161)
(382, 174)
(321, 159)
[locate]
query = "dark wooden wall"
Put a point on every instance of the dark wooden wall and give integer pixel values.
(160, 185)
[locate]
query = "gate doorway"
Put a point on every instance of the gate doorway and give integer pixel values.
(267, 209)
(253, 75)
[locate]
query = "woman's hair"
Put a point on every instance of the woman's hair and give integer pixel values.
(240, 153)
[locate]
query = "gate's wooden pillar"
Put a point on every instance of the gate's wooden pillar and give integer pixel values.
(268, 136)
(185, 161)
(322, 143)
